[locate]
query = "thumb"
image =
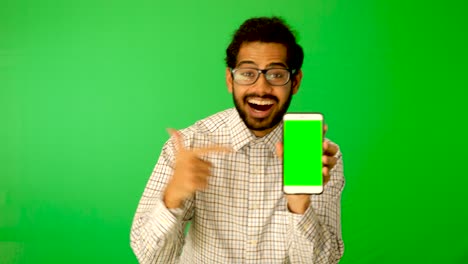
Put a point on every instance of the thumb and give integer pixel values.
(279, 150)
(179, 146)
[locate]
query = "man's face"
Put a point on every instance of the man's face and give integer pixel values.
(261, 105)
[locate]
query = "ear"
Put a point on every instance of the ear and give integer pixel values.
(297, 82)
(229, 79)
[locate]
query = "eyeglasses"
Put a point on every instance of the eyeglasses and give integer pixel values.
(274, 76)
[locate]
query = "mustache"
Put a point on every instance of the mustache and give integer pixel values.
(265, 96)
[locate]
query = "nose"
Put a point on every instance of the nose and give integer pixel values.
(261, 86)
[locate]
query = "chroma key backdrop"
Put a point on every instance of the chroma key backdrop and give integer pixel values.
(88, 88)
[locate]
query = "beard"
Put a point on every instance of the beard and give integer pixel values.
(261, 124)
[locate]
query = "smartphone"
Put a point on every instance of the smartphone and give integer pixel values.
(302, 153)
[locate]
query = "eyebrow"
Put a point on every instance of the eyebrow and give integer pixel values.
(268, 66)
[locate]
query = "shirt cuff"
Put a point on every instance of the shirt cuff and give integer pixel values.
(161, 220)
(306, 224)
(177, 212)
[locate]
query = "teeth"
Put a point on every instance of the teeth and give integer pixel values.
(260, 101)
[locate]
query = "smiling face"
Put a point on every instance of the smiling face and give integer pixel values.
(261, 105)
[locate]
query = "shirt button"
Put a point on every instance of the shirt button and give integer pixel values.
(255, 206)
(253, 242)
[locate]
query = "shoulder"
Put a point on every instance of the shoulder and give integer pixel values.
(214, 123)
(213, 129)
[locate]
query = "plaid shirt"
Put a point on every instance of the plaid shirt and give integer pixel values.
(242, 216)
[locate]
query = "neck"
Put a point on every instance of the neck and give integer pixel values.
(262, 133)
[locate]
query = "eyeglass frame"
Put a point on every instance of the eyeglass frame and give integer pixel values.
(291, 72)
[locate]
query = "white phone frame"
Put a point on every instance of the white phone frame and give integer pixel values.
(303, 189)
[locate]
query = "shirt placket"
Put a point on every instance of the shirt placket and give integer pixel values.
(255, 200)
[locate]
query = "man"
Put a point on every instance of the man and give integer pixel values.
(224, 173)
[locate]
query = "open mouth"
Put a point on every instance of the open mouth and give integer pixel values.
(260, 107)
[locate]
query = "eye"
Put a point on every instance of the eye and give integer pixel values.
(277, 73)
(246, 73)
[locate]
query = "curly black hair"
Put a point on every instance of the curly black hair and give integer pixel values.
(268, 30)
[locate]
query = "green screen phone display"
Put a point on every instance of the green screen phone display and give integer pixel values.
(302, 157)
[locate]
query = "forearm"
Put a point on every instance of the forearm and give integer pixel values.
(315, 236)
(157, 235)
(312, 241)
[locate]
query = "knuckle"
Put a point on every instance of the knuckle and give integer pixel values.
(325, 159)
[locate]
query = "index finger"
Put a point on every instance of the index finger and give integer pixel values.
(330, 148)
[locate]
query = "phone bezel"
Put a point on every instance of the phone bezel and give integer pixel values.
(313, 189)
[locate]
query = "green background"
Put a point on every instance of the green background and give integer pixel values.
(87, 89)
(302, 153)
